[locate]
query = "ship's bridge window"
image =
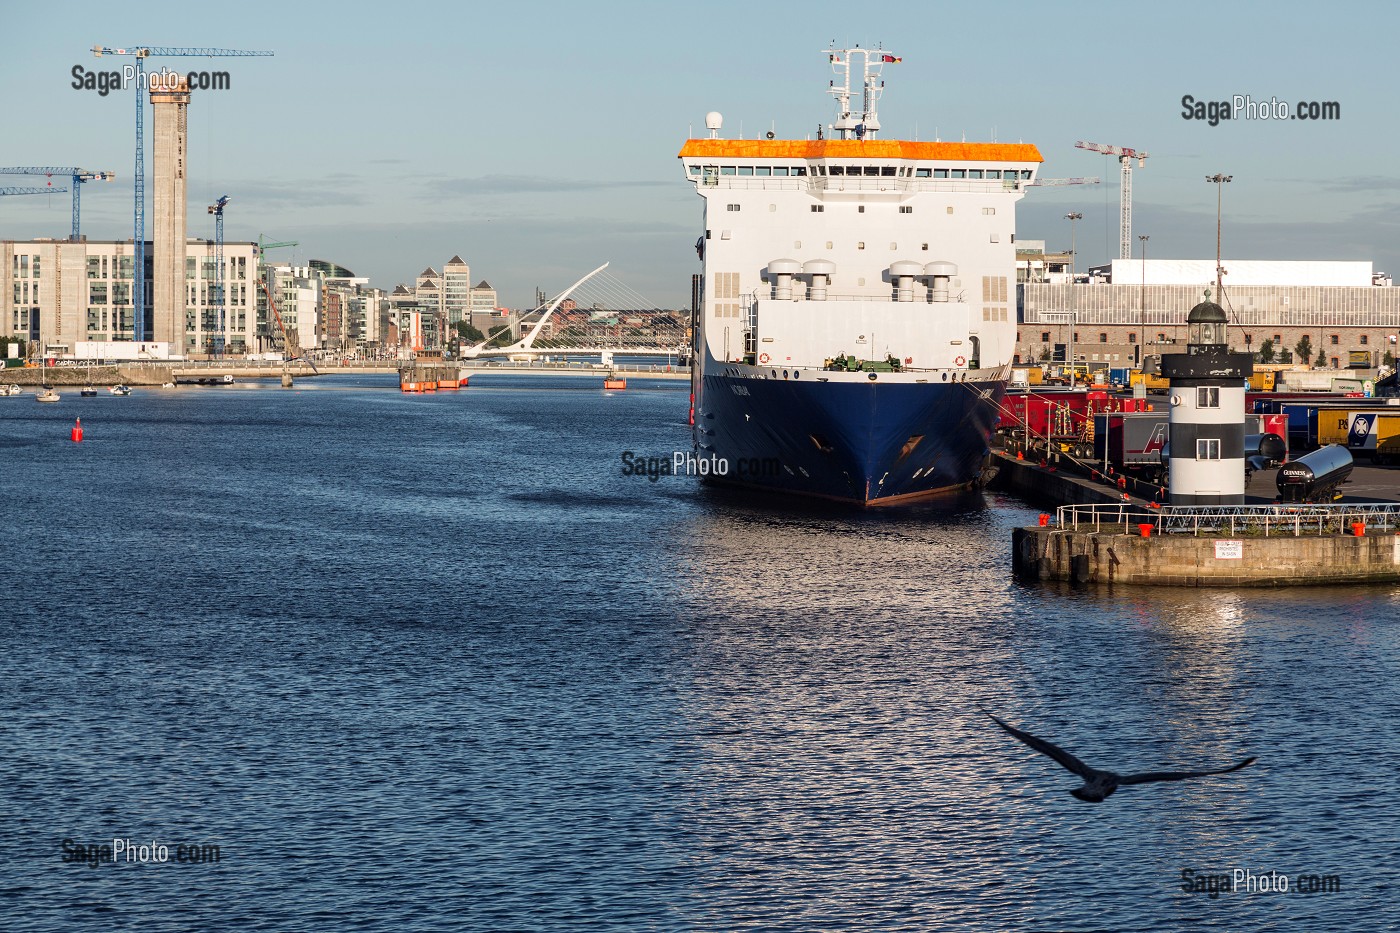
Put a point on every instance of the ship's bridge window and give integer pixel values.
(836, 170)
(922, 172)
(959, 173)
(800, 170)
(746, 170)
(887, 170)
(726, 170)
(940, 173)
(779, 171)
(763, 171)
(1025, 173)
(695, 170)
(974, 173)
(870, 170)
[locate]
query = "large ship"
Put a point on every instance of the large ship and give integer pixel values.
(857, 314)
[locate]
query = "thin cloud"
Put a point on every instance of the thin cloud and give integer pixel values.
(529, 184)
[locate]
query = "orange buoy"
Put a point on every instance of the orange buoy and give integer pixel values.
(77, 434)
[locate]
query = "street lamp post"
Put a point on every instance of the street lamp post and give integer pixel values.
(1069, 355)
(1219, 181)
(1142, 300)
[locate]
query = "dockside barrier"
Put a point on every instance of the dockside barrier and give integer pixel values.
(1220, 546)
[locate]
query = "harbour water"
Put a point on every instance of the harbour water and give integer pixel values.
(435, 663)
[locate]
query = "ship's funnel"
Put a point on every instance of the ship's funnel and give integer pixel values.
(820, 272)
(780, 272)
(902, 274)
(939, 274)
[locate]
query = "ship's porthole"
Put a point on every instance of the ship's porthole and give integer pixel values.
(872, 377)
(775, 374)
(794, 374)
(945, 377)
(785, 374)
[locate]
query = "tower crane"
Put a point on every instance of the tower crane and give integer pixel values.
(265, 246)
(217, 209)
(1126, 157)
(138, 245)
(79, 176)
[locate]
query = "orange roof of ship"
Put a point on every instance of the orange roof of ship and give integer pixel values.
(858, 149)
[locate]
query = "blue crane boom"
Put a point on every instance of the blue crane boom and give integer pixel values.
(138, 236)
(79, 176)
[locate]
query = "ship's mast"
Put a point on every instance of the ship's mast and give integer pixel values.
(872, 62)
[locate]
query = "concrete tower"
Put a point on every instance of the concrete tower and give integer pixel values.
(170, 107)
(1207, 413)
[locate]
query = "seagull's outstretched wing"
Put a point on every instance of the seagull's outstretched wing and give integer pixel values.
(1066, 760)
(1151, 776)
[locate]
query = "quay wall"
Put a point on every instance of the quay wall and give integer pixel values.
(1113, 555)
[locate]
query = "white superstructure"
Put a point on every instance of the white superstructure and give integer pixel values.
(877, 249)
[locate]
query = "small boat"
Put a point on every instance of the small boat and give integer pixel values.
(48, 395)
(227, 380)
(120, 390)
(614, 381)
(10, 390)
(88, 391)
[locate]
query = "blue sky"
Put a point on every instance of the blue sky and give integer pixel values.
(538, 140)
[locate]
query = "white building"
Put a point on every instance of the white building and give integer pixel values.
(58, 293)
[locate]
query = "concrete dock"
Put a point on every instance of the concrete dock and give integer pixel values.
(1094, 533)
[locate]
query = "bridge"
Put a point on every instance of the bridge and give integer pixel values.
(187, 372)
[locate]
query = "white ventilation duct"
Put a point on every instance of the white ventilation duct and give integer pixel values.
(780, 273)
(939, 274)
(820, 272)
(902, 274)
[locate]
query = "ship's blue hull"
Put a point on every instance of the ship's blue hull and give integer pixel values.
(871, 443)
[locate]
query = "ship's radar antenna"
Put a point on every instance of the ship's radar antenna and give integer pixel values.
(867, 124)
(713, 121)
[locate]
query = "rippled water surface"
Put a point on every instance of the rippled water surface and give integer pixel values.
(435, 664)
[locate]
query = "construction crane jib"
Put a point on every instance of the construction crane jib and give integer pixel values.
(1126, 157)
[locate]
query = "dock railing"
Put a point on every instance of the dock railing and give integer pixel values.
(1263, 520)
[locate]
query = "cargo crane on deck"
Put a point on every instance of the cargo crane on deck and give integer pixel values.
(78, 175)
(1126, 158)
(138, 236)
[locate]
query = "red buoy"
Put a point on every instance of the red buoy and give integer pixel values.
(77, 434)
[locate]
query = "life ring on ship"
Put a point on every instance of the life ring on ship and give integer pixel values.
(959, 360)
(764, 358)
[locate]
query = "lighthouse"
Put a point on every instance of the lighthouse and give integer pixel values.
(1206, 465)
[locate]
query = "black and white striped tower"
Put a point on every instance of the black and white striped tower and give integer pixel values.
(1206, 465)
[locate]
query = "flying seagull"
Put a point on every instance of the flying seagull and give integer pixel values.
(1100, 785)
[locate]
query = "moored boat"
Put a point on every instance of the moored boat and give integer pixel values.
(857, 319)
